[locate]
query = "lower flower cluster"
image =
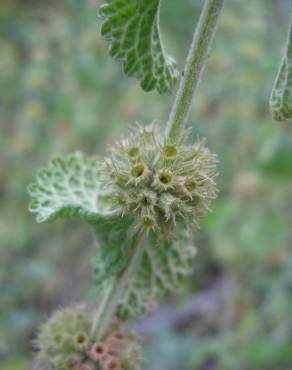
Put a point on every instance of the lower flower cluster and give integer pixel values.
(64, 343)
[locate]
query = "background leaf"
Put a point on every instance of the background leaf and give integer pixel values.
(68, 187)
(281, 97)
(162, 270)
(132, 29)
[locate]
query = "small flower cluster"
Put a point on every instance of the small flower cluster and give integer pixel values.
(120, 350)
(63, 339)
(64, 343)
(160, 183)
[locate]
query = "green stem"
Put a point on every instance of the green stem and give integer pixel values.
(116, 287)
(195, 63)
(194, 66)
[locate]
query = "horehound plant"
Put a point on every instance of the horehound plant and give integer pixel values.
(142, 202)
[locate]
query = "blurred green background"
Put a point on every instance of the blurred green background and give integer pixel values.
(60, 92)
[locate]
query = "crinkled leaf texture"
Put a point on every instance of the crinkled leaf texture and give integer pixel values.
(281, 97)
(112, 255)
(162, 270)
(132, 30)
(69, 188)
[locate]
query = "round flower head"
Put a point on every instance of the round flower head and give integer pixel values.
(64, 343)
(64, 339)
(160, 183)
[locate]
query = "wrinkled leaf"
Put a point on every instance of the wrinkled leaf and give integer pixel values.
(281, 97)
(114, 244)
(132, 29)
(69, 188)
(164, 265)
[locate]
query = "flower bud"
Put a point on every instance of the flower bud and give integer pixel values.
(98, 350)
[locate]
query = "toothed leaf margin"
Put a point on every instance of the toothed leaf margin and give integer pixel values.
(132, 29)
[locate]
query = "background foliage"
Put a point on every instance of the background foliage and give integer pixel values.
(60, 92)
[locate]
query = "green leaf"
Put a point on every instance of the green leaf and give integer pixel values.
(114, 242)
(164, 265)
(69, 187)
(281, 97)
(132, 29)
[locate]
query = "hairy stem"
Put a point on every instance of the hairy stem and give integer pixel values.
(194, 66)
(195, 63)
(116, 286)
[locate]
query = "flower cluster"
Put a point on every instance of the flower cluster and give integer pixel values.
(120, 350)
(63, 339)
(64, 343)
(160, 183)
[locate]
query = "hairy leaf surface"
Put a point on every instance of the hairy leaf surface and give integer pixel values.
(68, 187)
(132, 29)
(114, 237)
(164, 266)
(281, 97)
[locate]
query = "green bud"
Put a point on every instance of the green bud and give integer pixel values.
(81, 341)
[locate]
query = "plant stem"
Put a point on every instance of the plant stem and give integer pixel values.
(196, 60)
(116, 287)
(195, 63)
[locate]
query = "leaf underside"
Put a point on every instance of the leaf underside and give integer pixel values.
(68, 188)
(162, 270)
(132, 29)
(281, 97)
